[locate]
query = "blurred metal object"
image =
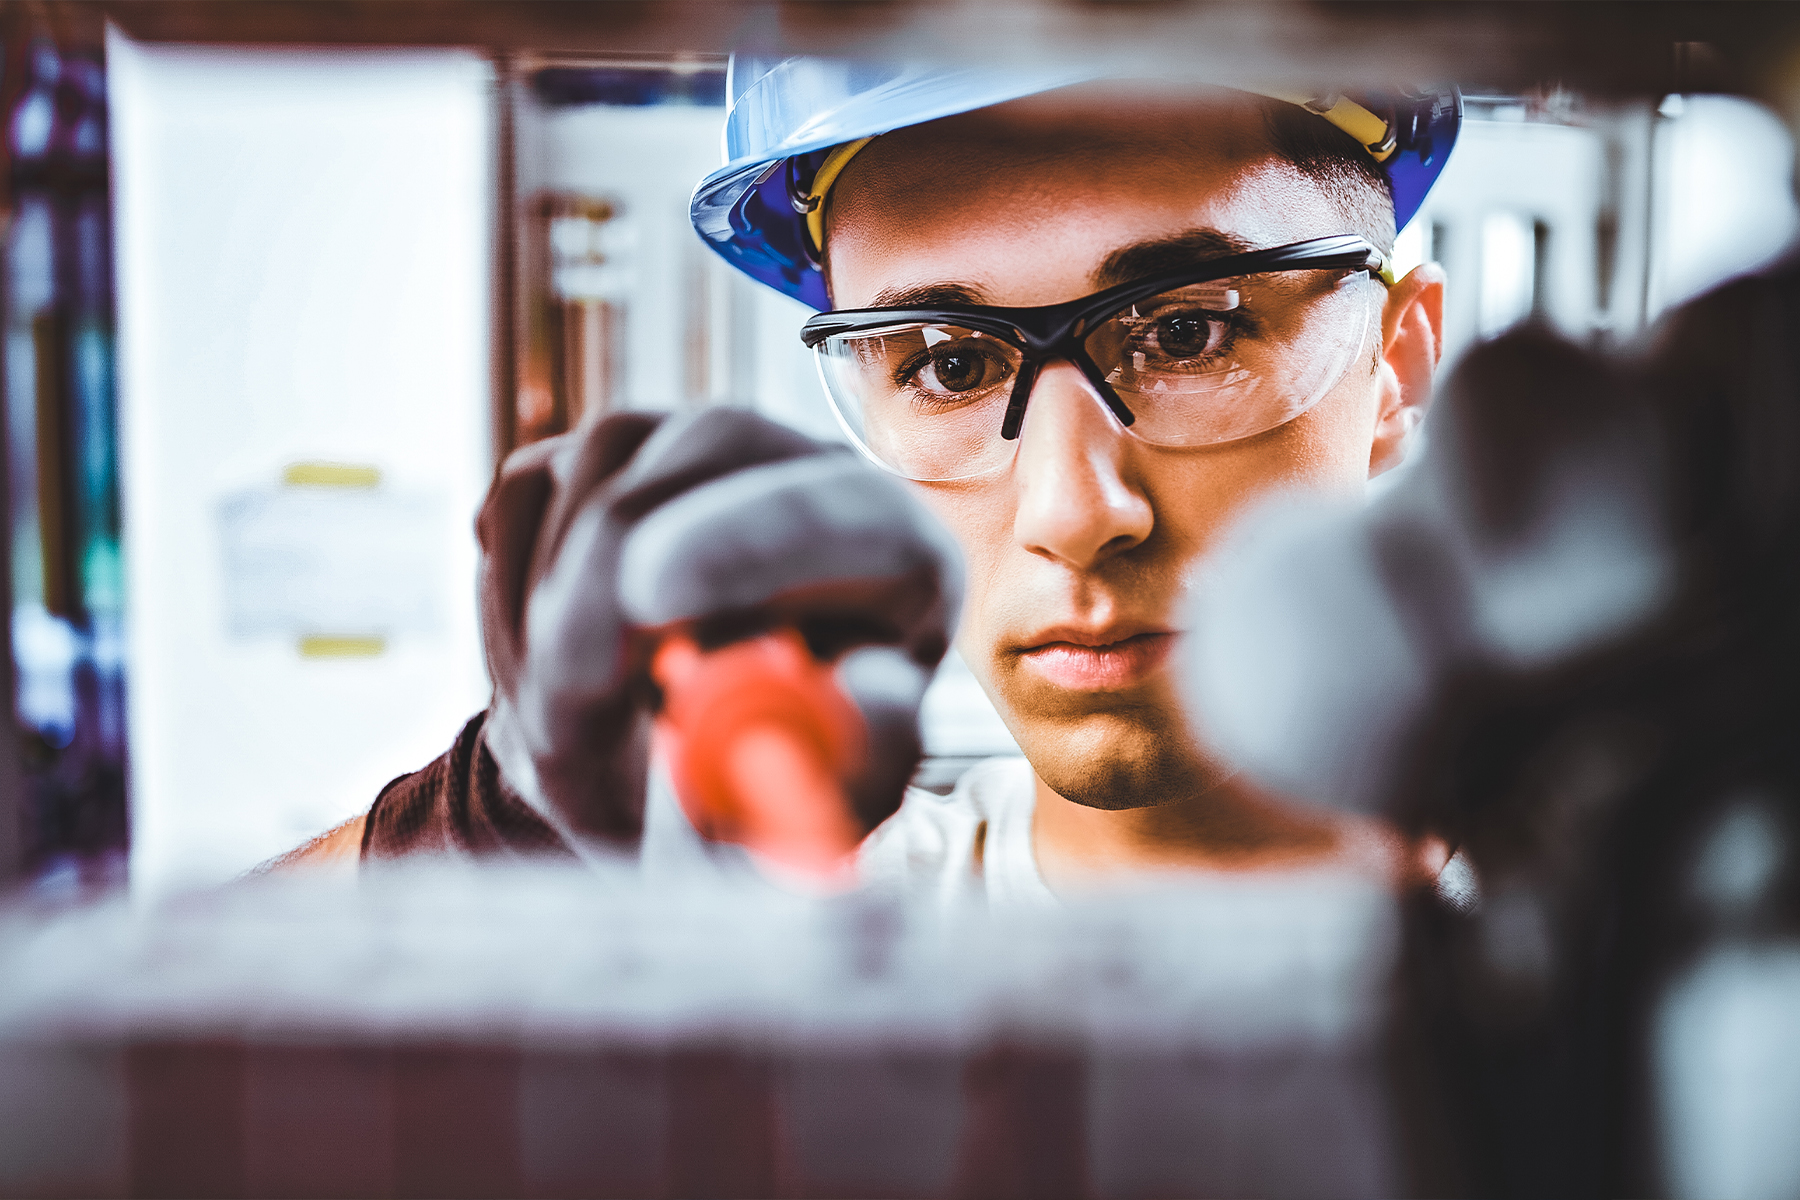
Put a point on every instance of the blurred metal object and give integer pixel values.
(614, 305)
(577, 283)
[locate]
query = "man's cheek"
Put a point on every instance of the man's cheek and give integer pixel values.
(956, 505)
(968, 515)
(978, 641)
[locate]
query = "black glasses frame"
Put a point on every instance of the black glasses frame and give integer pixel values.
(1057, 331)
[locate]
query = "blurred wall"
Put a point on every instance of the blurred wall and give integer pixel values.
(303, 246)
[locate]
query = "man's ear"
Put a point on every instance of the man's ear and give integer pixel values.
(1412, 340)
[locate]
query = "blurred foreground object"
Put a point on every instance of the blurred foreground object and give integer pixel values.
(454, 1031)
(1569, 641)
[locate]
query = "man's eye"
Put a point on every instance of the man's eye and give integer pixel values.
(1184, 335)
(960, 369)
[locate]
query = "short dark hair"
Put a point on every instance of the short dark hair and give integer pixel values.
(1335, 161)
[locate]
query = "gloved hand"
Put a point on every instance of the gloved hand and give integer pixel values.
(723, 525)
(1327, 640)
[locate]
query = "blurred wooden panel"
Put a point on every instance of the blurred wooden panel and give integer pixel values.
(1607, 46)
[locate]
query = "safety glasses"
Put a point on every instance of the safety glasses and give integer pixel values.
(1219, 351)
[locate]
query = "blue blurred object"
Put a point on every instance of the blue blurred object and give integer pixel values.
(787, 116)
(62, 464)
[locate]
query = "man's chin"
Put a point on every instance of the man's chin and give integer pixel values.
(1113, 760)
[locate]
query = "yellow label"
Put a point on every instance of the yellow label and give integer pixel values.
(331, 475)
(341, 647)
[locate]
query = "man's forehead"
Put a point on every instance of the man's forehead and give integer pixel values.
(959, 212)
(1135, 260)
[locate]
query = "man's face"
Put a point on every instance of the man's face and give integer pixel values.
(1080, 553)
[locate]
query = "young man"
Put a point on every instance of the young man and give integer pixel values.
(1085, 457)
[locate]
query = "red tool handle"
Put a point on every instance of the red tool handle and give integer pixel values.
(761, 742)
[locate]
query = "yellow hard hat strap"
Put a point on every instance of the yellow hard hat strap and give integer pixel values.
(823, 178)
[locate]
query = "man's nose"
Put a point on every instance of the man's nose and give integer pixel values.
(1078, 500)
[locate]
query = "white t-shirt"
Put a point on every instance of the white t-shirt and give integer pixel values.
(976, 839)
(976, 842)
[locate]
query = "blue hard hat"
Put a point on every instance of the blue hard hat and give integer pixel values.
(788, 116)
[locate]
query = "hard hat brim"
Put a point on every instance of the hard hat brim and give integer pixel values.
(802, 108)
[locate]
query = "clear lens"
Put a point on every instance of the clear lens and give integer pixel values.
(925, 401)
(1197, 366)
(1217, 362)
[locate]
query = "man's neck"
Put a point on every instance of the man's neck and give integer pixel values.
(1227, 826)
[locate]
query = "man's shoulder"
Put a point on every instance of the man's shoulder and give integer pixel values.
(338, 848)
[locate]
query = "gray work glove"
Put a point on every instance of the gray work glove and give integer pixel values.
(594, 540)
(1327, 641)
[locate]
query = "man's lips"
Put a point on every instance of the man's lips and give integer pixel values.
(1086, 661)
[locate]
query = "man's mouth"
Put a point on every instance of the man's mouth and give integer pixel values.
(1080, 661)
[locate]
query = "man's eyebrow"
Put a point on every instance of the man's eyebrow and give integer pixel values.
(927, 295)
(1141, 260)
